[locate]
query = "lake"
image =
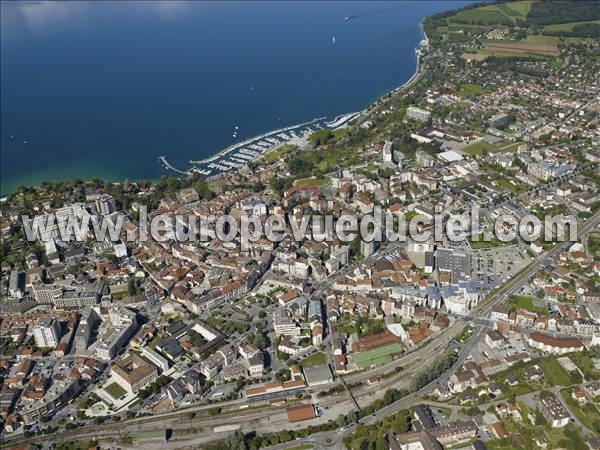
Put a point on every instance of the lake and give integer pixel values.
(104, 88)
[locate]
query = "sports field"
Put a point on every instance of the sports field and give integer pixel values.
(376, 356)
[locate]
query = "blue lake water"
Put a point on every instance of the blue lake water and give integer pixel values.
(104, 88)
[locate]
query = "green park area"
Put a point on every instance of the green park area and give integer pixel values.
(277, 153)
(485, 147)
(494, 242)
(316, 359)
(318, 182)
(470, 90)
(115, 390)
(525, 302)
(301, 447)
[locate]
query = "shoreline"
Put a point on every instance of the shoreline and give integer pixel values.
(169, 167)
(221, 155)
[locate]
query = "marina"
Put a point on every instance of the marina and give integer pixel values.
(240, 154)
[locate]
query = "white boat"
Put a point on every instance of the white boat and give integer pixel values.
(333, 40)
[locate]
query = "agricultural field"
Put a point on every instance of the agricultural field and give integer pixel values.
(522, 48)
(517, 9)
(459, 37)
(483, 53)
(484, 15)
(566, 27)
(503, 14)
(471, 29)
(377, 356)
(538, 39)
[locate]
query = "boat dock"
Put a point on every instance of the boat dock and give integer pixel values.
(242, 153)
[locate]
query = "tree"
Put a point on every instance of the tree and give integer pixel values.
(203, 189)
(236, 441)
(131, 287)
(261, 341)
(283, 375)
(214, 411)
(575, 377)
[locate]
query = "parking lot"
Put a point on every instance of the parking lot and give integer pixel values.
(492, 267)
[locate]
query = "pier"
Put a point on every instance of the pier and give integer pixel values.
(169, 166)
(242, 153)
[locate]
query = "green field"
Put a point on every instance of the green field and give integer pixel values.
(459, 37)
(573, 40)
(503, 14)
(278, 152)
(379, 355)
(525, 302)
(481, 244)
(517, 9)
(471, 29)
(316, 359)
(585, 363)
(471, 90)
(483, 53)
(504, 183)
(301, 447)
(484, 15)
(554, 374)
(537, 39)
(318, 182)
(115, 390)
(512, 147)
(479, 147)
(567, 27)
